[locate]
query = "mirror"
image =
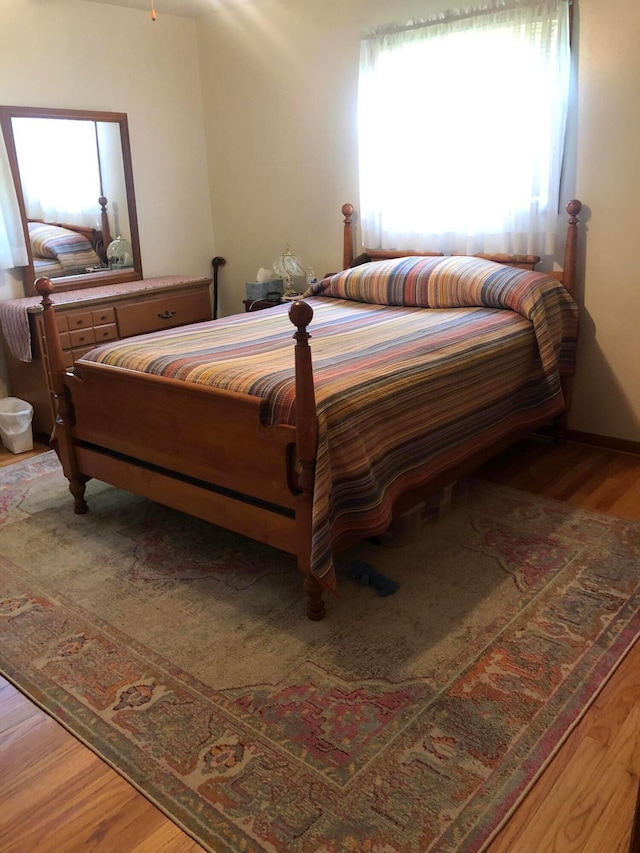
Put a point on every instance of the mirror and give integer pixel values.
(74, 183)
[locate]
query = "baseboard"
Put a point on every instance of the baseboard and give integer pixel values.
(620, 444)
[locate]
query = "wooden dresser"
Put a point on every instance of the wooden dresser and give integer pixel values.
(86, 318)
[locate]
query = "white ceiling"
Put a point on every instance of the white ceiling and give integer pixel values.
(184, 8)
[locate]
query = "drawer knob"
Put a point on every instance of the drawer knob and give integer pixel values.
(167, 315)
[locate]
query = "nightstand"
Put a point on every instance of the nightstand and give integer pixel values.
(259, 304)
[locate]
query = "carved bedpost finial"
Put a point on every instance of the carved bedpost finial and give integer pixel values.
(347, 252)
(573, 208)
(44, 288)
(301, 314)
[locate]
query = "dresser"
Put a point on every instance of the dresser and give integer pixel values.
(86, 318)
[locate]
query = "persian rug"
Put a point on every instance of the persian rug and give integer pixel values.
(416, 722)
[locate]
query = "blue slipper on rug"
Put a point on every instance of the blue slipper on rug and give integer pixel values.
(368, 576)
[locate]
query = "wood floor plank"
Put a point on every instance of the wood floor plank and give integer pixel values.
(14, 712)
(594, 796)
(58, 795)
(22, 730)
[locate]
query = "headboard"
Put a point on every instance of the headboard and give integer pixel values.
(567, 275)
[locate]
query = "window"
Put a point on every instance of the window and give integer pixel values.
(60, 172)
(13, 252)
(461, 124)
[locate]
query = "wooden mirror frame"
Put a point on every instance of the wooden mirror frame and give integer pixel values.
(93, 279)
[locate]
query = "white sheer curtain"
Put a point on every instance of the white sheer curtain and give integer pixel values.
(461, 126)
(13, 252)
(59, 169)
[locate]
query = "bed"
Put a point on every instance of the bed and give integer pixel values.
(59, 249)
(423, 367)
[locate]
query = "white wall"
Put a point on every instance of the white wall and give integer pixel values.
(607, 388)
(280, 86)
(79, 55)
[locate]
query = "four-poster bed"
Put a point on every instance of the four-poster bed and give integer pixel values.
(224, 422)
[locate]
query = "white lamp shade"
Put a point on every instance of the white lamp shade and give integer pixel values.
(119, 253)
(289, 268)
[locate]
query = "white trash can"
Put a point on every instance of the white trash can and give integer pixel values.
(15, 424)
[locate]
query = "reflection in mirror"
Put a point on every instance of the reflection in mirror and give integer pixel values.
(74, 182)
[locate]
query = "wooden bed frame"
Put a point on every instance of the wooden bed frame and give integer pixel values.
(209, 452)
(526, 262)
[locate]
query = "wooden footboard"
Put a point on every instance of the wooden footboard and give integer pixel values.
(201, 450)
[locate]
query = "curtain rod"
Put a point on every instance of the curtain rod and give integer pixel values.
(454, 15)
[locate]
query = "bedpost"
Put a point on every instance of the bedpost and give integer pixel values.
(573, 208)
(104, 222)
(568, 279)
(347, 253)
(61, 439)
(301, 314)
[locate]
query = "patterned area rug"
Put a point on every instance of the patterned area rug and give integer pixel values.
(412, 723)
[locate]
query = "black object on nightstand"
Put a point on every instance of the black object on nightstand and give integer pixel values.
(259, 304)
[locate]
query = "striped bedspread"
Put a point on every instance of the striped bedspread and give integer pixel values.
(72, 252)
(402, 391)
(47, 267)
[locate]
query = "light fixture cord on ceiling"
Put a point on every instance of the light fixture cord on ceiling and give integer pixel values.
(153, 12)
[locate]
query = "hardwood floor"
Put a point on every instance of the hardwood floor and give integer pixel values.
(57, 796)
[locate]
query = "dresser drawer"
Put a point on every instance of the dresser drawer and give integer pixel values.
(163, 312)
(82, 337)
(79, 320)
(108, 332)
(103, 316)
(89, 335)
